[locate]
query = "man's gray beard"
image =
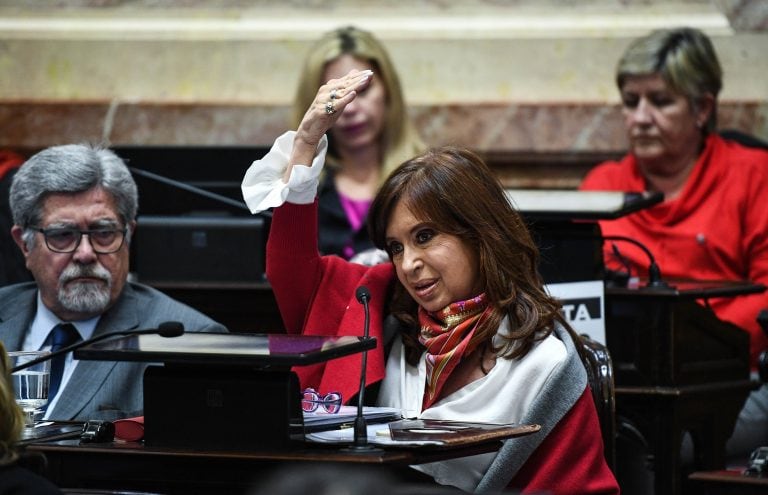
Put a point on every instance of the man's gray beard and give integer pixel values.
(85, 297)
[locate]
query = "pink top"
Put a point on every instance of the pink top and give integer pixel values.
(356, 210)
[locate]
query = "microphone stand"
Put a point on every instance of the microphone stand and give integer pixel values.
(654, 272)
(165, 329)
(188, 188)
(361, 445)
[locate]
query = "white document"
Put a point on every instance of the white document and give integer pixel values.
(321, 420)
(377, 434)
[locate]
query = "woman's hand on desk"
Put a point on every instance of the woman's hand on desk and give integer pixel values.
(329, 103)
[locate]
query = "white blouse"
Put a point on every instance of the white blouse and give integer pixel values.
(502, 396)
(263, 185)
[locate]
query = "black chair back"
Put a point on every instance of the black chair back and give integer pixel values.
(599, 366)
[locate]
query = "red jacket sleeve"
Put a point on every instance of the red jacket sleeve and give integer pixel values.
(569, 460)
(316, 296)
(293, 261)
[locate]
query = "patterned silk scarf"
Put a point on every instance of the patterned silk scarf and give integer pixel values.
(446, 335)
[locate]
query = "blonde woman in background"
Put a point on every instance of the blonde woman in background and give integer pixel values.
(14, 478)
(371, 137)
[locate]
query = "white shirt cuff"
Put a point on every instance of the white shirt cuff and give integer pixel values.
(263, 185)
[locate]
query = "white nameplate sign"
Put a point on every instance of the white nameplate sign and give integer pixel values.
(583, 306)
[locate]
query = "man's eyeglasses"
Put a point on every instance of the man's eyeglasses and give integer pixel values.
(311, 400)
(67, 240)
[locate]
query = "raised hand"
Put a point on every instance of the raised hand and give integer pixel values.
(328, 104)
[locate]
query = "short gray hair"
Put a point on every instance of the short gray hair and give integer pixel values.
(685, 59)
(71, 168)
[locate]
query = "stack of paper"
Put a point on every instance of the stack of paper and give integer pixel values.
(321, 420)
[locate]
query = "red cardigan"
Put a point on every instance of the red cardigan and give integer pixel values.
(716, 229)
(316, 296)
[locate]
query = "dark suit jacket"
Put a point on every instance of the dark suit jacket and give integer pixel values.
(102, 389)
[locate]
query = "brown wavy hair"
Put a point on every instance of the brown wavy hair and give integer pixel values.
(455, 190)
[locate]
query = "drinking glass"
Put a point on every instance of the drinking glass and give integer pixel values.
(31, 384)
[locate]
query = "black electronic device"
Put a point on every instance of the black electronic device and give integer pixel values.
(758, 462)
(224, 391)
(97, 431)
(213, 239)
(190, 180)
(199, 249)
(258, 351)
(564, 225)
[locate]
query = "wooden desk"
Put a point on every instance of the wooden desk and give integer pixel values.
(727, 482)
(133, 466)
(677, 368)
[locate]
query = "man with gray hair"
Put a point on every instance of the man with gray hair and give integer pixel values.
(74, 211)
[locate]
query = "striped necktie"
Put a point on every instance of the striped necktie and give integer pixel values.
(64, 334)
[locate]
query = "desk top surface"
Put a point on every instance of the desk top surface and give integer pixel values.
(730, 477)
(690, 289)
(300, 451)
(63, 438)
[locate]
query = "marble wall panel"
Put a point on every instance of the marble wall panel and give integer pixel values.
(501, 127)
(529, 145)
(202, 125)
(34, 125)
(523, 127)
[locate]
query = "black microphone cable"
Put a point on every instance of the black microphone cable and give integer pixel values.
(654, 272)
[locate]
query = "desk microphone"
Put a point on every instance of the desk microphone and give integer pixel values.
(654, 272)
(165, 329)
(360, 444)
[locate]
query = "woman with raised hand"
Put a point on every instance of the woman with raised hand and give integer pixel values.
(464, 327)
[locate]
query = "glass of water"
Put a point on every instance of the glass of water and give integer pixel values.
(31, 384)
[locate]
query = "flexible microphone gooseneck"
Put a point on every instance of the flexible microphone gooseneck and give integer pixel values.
(165, 329)
(360, 444)
(654, 272)
(189, 188)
